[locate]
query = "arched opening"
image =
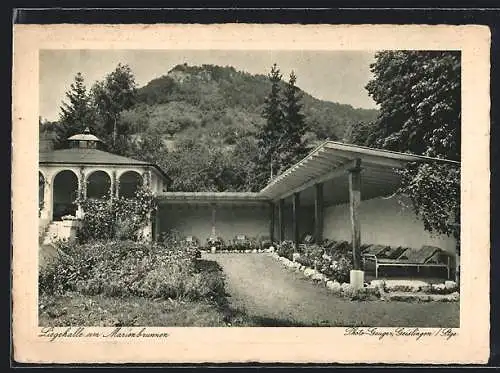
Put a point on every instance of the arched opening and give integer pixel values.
(41, 191)
(130, 182)
(98, 185)
(65, 193)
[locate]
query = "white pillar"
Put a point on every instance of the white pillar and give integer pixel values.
(146, 179)
(147, 230)
(117, 186)
(82, 192)
(112, 187)
(82, 185)
(47, 199)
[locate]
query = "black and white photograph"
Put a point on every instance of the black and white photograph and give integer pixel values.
(212, 188)
(250, 188)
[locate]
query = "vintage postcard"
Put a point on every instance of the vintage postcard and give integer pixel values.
(251, 193)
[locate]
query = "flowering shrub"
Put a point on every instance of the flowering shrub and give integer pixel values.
(334, 262)
(337, 268)
(116, 218)
(127, 268)
(286, 249)
(175, 240)
(311, 255)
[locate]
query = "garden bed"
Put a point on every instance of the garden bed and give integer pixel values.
(74, 309)
(125, 283)
(237, 251)
(333, 272)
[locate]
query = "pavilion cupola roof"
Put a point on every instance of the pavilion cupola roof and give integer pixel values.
(85, 140)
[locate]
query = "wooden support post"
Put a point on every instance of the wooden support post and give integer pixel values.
(318, 213)
(214, 233)
(354, 203)
(295, 219)
(271, 221)
(281, 222)
(157, 224)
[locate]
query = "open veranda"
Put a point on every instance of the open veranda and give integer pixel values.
(326, 243)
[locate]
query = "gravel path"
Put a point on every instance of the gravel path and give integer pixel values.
(271, 295)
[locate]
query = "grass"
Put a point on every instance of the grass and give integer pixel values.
(79, 310)
(103, 311)
(76, 309)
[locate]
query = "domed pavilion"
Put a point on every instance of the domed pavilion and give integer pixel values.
(85, 169)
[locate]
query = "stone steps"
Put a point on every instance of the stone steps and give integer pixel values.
(51, 232)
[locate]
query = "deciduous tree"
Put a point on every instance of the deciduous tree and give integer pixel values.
(419, 97)
(116, 93)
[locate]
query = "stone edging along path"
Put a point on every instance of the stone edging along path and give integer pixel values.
(235, 251)
(386, 290)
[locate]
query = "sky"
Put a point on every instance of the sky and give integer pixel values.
(338, 76)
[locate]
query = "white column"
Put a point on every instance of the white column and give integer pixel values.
(146, 179)
(82, 185)
(112, 187)
(117, 185)
(82, 191)
(147, 230)
(47, 198)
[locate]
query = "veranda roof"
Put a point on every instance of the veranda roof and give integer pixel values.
(328, 163)
(331, 160)
(211, 197)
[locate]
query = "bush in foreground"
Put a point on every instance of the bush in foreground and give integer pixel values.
(116, 218)
(335, 263)
(127, 268)
(286, 249)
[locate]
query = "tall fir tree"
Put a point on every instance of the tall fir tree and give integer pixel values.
(76, 113)
(281, 140)
(294, 125)
(270, 136)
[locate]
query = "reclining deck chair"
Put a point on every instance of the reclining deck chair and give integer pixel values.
(328, 244)
(307, 240)
(377, 250)
(426, 256)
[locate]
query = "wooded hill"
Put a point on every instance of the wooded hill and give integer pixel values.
(225, 104)
(200, 124)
